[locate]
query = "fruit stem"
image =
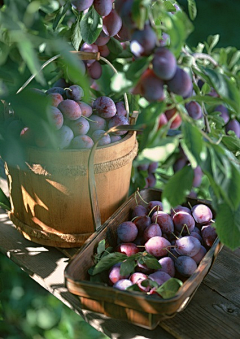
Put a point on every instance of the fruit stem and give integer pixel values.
(141, 197)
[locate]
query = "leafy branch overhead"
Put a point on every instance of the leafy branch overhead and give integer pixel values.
(187, 97)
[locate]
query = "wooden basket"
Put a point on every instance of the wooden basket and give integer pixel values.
(50, 202)
(140, 309)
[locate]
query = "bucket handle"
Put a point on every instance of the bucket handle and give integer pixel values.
(91, 176)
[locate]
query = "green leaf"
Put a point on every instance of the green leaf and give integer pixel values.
(151, 262)
(108, 261)
(232, 143)
(228, 225)
(169, 288)
(224, 175)
(225, 87)
(161, 152)
(192, 9)
(76, 37)
(60, 15)
(91, 26)
(212, 42)
(192, 143)
(137, 67)
(101, 247)
(181, 184)
(114, 46)
(169, 6)
(127, 266)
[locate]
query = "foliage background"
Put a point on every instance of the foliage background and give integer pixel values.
(26, 309)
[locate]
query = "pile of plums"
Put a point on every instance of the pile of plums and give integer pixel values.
(178, 240)
(75, 123)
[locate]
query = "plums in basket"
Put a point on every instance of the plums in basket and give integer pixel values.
(139, 210)
(142, 222)
(128, 248)
(187, 245)
(80, 126)
(82, 142)
(64, 137)
(127, 231)
(164, 220)
(159, 277)
(202, 214)
(97, 123)
(105, 107)
(157, 246)
(102, 136)
(183, 222)
(55, 99)
(114, 274)
(118, 120)
(151, 231)
(168, 266)
(55, 117)
(185, 265)
(209, 235)
(123, 284)
(70, 109)
(200, 254)
(137, 278)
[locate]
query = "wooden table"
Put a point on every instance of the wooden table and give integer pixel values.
(214, 311)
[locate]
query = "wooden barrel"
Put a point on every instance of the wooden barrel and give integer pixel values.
(50, 202)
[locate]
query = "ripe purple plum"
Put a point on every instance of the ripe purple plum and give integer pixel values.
(151, 87)
(164, 220)
(137, 278)
(157, 246)
(233, 125)
(162, 120)
(127, 231)
(151, 180)
(200, 254)
(118, 120)
(81, 5)
(89, 48)
(103, 7)
(180, 83)
(160, 277)
(198, 174)
(64, 137)
(112, 23)
(95, 70)
(139, 210)
(122, 284)
(194, 110)
(102, 39)
(70, 109)
(142, 222)
(183, 222)
(104, 51)
(224, 113)
(152, 230)
(85, 108)
(173, 115)
(105, 107)
(153, 167)
(56, 89)
(121, 110)
(97, 123)
(154, 206)
(185, 265)
(164, 63)
(55, 98)
(74, 92)
(104, 139)
(128, 248)
(187, 245)
(80, 126)
(82, 142)
(180, 208)
(197, 235)
(167, 264)
(202, 214)
(114, 274)
(179, 164)
(143, 41)
(115, 138)
(55, 117)
(208, 233)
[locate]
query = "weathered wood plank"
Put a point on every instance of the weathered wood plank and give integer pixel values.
(206, 317)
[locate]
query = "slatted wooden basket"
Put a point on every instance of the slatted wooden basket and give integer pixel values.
(140, 309)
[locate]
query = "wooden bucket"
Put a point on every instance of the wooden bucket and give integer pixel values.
(50, 202)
